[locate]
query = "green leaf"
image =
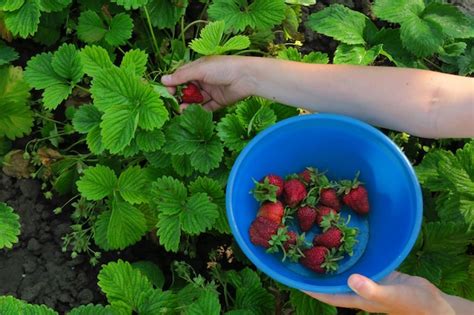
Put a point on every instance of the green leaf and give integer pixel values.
(284, 111)
(207, 304)
(397, 11)
(124, 286)
(238, 15)
(11, 5)
(97, 182)
(9, 226)
(127, 225)
(118, 128)
(67, 63)
(91, 310)
(169, 231)
(16, 119)
(216, 195)
(94, 59)
(199, 214)
(301, 2)
(393, 48)
(356, 55)
(50, 27)
(149, 141)
(304, 304)
(210, 40)
(182, 165)
(452, 21)
(454, 49)
(54, 5)
(166, 13)
(133, 185)
(90, 27)
(100, 230)
(250, 294)
(7, 54)
(151, 271)
(193, 133)
(120, 30)
(341, 23)
(158, 303)
(94, 141)
(232, 133)
(131, 4)
(135, 60)
(10, 305)
(170, 194)
(254, 115)
(86, 118)
(422, 37)
(25, 20)
(293, 54)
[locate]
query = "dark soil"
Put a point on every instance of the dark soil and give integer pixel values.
(36, 270)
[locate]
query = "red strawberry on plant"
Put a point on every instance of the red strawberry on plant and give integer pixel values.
(191, 94)
(261, 231)
(269, 188)
(332, 238)
(294, 192)
(355, 195)
(306, 217)
(272, 210)
(323, 212)
(328, 197)
(320, 259)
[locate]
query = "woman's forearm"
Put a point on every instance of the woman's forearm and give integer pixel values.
(459, 305)
(423, 103)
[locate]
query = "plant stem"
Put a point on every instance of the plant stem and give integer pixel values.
(184, 30)
(49, 119)
(432, 64)
(155, 42)
(83, 88)
(183, 35)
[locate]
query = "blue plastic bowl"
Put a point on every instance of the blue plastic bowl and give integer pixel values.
(342, 146)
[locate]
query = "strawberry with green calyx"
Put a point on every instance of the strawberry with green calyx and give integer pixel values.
(306, 217)
(289, 243)
(294, 192)
(354, 195)
(320, 259)
(294, 251)
(272, 210)
(309, 175)
(190, 93)
(326, 214)
(337, 234)
(261, 231)
(269, 188)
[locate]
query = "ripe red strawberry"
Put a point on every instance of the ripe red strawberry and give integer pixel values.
(269, 188)
(272, 210)
(306, 217)
(322, 212)
(305, 176)
(191, 94)
(332, 238)
(261, 231)
(314, 258)
(328, 197)
(291, 240)
(357, 199)
(277, 181)
(294, 192)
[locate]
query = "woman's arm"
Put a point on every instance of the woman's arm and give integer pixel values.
(422, 103)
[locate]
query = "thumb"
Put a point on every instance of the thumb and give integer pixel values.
(383, 294)
(190, 72)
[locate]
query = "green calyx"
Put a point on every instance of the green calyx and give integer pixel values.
(330, 263)
(345, 186)
(265, 191)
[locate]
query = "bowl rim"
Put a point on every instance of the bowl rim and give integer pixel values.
(351, 121)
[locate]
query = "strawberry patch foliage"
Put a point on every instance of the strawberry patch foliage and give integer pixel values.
(81, 81)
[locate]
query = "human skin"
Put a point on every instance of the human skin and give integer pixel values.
(423, 103)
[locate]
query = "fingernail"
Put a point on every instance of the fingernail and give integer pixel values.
(356, 283)
(166, 79)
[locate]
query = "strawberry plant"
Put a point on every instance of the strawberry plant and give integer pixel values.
(82, 110)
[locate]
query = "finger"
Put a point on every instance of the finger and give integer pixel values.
(190, 72)
(383, 294)
(171, 89)
(212, 105)
(183, 106)
(206, 97)
(342, 300)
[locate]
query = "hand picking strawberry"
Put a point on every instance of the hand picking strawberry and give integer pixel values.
(314, 201)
